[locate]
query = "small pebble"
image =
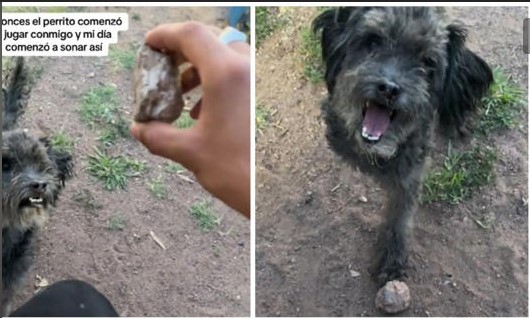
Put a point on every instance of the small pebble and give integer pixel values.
(354, 273)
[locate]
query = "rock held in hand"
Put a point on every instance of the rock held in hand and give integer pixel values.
(393, 298)
(157, 87)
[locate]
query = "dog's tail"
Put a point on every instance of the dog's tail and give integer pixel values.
(15, 94)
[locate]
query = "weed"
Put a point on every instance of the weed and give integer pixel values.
(87, 201)
(113, 171)
(263, 117)
(116, 223)
(125, 59)
(313, 68)
(173, 167)
(99, 109)
(62, 142)
(158, 188)
(502, 105)
(267, 21)
(462, 174)
(203, 215)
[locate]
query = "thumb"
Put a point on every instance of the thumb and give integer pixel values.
(162, 139)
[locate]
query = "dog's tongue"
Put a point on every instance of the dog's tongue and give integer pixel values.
(376, 121)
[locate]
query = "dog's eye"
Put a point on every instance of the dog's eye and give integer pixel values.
(429, 62)
(372, 48)
(6, 164)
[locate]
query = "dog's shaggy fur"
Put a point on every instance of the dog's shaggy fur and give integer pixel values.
(390, 73)
(33, 175)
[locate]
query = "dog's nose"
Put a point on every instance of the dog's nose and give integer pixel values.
(389, 89)
(39, 186)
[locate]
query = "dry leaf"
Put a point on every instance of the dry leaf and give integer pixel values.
(157, 240)
(185, 178)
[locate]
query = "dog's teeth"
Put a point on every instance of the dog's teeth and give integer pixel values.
(366, 135)
(35, 200)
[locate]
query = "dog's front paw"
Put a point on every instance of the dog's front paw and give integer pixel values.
(389, 265)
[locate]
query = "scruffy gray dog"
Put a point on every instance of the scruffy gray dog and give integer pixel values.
(33, 175)
(391, 73)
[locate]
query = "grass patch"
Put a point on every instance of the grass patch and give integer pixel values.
(158, 188)
(112, 131)
(263, 117)
(114, 172)
(311, 53)
(99, 105)
(62, 142)
(87, 201)
(267, 21)
(34, 9)
(99, 109)
(461, 176)
(136, 17)
(116, 223)
(203, 215)
(174, 167)
(6, 63)
(184, 121)
(502, 106)
(124, 59)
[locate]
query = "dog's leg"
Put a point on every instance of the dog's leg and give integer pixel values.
(392, 248)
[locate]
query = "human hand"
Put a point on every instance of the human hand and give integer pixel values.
(217, 148)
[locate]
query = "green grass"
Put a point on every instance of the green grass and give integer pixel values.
(173, 167)
(203, 215)
(116, 223)
(99, 110)
(125, 59)
(461, 176)
(99, 105)
(158, 188)
(114, 172)
(62, 142)
(184, 121)
(263, 117)
(311, 54)
(34, 9)
(6, 63)
(267, 22)
(87, 201)
(502, 106)
(112, 131)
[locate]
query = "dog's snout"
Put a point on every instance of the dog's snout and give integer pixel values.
(38, 186)
(388, 89)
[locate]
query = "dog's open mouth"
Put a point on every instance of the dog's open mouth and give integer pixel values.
(377, 119)
(35, 202)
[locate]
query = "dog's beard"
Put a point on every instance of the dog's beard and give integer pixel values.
(24, 209)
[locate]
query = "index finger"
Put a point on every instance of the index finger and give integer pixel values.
(194, 40)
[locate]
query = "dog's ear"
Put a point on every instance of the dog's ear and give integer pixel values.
(332, 25)
(63, 161)
(467, 79)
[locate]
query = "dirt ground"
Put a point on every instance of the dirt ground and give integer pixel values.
(201, 273)
(313, 229)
